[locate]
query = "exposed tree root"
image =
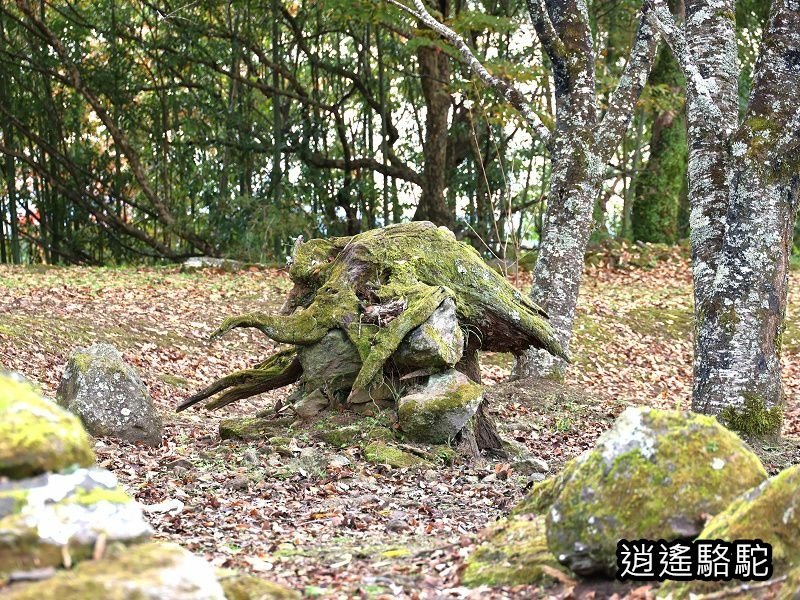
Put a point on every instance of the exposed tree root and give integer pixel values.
(279, 370)
(377, 287)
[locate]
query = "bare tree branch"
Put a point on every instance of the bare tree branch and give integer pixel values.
(659, 16)
(513, 95)
(633, 79)
(548, 36)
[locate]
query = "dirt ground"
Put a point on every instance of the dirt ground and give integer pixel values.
(321, 519)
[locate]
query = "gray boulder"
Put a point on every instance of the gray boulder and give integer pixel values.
(197, 263)
(108, 396)
(654, 475)
(41, 516)
(439, 342)
(331, 364)
(436, 411)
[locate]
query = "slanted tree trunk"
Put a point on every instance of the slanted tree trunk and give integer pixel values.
(579, 147)
(659, 189)
(743, 186)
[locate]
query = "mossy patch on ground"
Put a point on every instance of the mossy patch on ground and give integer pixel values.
(240, 586)
(380, 453)
(515, 553)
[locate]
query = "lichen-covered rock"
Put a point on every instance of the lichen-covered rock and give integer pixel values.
(36, 435)
(769, 512)
(108, 396)
(152, 571)
(438, 342)
(331, 364)
(42, 515)
(240, 586)
(196, 263)
(515, 553)
(380, 453)
(436, 411)
(654, 475)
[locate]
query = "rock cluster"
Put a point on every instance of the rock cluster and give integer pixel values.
(57, 510)
(657, 475)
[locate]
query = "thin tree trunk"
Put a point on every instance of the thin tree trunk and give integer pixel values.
(434, 69)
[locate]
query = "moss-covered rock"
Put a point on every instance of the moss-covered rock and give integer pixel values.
(36, 435)
(515, 553)
(437, 343)
(437, 411)
(769, 512)
(240, 586)
(353, 435)
(41, 516)
(331, 364)
(654, 475)
(791, 588)
(380, 453)
(542, 495)
(145, 572)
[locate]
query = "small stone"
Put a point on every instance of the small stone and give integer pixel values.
(109, 397)
(529, 465)
(311, 405)
(339, 461)
(240, 482)
(180, 463)
(251, 456)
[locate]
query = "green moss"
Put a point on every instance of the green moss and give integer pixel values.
(769, 512)
(353, 435)
(753, 418)
(128, 576)
(36, 435)
(791, 588)
(396, 553)
(380, 453)
(515, 553)
(240, 586)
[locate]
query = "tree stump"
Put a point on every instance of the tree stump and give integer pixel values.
(376, 314)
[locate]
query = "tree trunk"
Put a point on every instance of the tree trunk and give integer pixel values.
(434, 69)
(739, 322)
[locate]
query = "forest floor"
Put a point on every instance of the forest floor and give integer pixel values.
(326, 522)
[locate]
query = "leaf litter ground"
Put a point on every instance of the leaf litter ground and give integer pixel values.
(320, 519)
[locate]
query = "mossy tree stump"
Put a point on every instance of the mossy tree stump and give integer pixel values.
(377, 287)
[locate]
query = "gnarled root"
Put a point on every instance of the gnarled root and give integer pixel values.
(299, 328)
(279, 370)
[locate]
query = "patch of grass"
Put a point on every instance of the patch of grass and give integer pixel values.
(671, 323)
